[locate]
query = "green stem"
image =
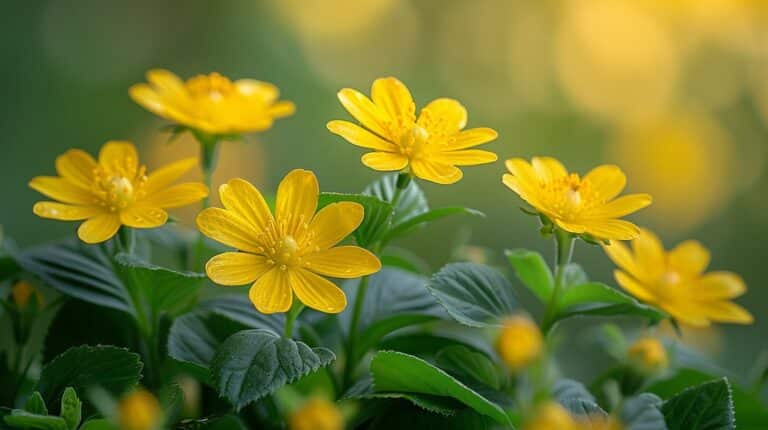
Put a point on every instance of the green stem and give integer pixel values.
(208, 153)
(291, 316)
(564, 242)
(126, 240)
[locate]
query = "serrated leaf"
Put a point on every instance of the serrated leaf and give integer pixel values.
(533, 272)
(417, 221)
(71, 408)
(473, 294)
(113, 369)
(594, 298)
(377, 219)
(708, 406)
(411, 203)
(402, 373)
(254, 363)
(35, 404)
(25, 420)
(462, 361)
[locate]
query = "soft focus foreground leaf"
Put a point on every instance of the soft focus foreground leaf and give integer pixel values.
(99, 424)
(575, 397)
(412, 201)
(26, 420)
(114, 369)
(594, 298)
(642, 412)
(254, 363)
(35, 404)
(377, 218)
(397, 372)
(462, 361)
(533, 271)
(473, 294)
(708, 406)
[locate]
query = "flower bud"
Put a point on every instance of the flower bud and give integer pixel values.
(648, 356)
(21, 293)
(139, 410)
(520, 342)
(317, 414)
(551, 416)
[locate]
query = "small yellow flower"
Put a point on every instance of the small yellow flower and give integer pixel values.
(520, 342)
(317, 414)
(212, 103)
(113, 191)
(648, 355)
(139, 410)
(22, 291)
(431, 146)
(287, 253)
(675, 281)
(551, 416)
(578, 205)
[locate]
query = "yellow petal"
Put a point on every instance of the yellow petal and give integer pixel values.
(444, 116)
(435, 172)
(524, 190)
(242, 198)
(471, 137)
(363, 110)
(359, 136)
(620, 207)
(281, 109)
(177, 195)
(689, 258)
(99, 228)
(77, 167)
(727, 312)
(119, 158)
(649, 253)
(263, 91)
(470, 157)
(720, 285)
(571, 227)
(143, 217)
(166, 175)
(236, 268)
(317, 292)
(150, 100)
(64, 212)
(334, 222)
(271, 293)
(225, 227)
(523, 171)
(166, 83)
(612, 229)
(634, 287)
(689, 314)
(548, 168)
(393, 97)
(384, 161)
(620, 254)
(297, 199)
(607, 181)
(343, 262)
(62, 190)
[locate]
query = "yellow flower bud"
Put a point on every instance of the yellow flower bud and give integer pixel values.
(22, 291)
(648, 355)
(551, 416)
(317, 414)
(139, 410)
(520, 342)
(596, 422)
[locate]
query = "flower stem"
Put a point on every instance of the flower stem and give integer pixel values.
(209, 154)
(564, 242)
(291, 316)
(126, 240)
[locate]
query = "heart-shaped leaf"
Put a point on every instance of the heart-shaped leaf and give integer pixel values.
(708, 406)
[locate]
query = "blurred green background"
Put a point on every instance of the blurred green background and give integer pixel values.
(674, 91)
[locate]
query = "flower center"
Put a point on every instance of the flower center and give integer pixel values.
(116, 192)
(214, 86)
(569, 195)
(414, 141)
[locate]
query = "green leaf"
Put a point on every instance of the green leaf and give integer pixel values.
(397, 372)
(465, 362)
(378, 215)
(446, 406)
(8, 267)
(473, 294)
(254, 363)
(99, 424)
(412, 201)
(533, 271)
(575, 397)
(238, 307)
(35, 404)
(574, 274)
(708, 406)
(404, 416)
(432, 215)
(79, 271)
(594, 298)
(71, 408)
(113, 369)
(428, 344)
(642, 412)
(25, 420)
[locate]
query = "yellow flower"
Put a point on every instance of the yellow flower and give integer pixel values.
(648, 355)
(287, 253)
(551, 416)
(578, 205)
(212, 104)
(675, 281)
(519, 343)
(139, 410)
(22, 291)
(317, 414)
(431, 146)
(113, 191)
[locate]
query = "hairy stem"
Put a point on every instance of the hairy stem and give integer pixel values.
(564, 242)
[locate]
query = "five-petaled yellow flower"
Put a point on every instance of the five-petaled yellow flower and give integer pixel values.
(212, 103)
(113, 191)
(675, 281)
(287, 253)
(577, 205)
(430, 146)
